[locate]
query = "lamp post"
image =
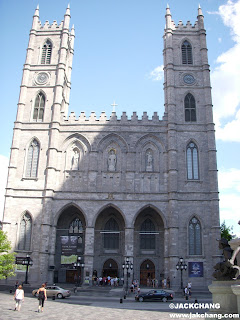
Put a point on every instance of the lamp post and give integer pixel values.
(78, 265)
(181, 265)
(126, 266)
(27, 262)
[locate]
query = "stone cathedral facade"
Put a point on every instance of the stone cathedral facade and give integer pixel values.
(107, 189)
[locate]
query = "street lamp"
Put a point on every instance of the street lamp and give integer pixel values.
(181, 265)
(78, 265)
(126, 266)
(27, 262)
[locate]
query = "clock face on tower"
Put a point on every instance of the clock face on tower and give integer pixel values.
(42, 78)
(188, 79)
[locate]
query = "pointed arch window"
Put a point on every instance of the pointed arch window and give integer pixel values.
(32, 159)
(195, 237)
(25, 232)
(147, 235)
(190, 108)
(46, 52)
(76, 227)
(111, 234)
(187, 53)
(192, 162)
(39, 107)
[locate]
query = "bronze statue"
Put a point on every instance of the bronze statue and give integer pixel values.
(227, 269)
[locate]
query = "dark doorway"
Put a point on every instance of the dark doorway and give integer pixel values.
(73, 276)
(110, 268)
(147, 273)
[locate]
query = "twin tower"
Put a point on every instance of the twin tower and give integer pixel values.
(106, 191)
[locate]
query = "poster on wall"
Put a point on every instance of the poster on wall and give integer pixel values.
(195, 269)
(68, 249)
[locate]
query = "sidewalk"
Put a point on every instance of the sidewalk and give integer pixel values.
(56, 310)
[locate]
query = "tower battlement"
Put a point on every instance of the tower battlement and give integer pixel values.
(92, 119)
(46, 26)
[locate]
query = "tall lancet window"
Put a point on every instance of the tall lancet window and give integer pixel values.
(187, 53)
(195, 237)
(39, 106)
(46, 52)
(192, 162)
(32, 159)
(147, 235)
(190, 108)
(25, 232)
(111, 234)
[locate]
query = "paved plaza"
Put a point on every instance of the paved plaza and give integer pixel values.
(69, 309)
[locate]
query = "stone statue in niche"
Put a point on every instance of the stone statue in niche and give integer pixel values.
(149, 160)
(75, 160)
(112, 160)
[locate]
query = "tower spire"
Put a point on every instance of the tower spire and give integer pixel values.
(200, 11)
(168, 17)
(200, 17)
(35, 18)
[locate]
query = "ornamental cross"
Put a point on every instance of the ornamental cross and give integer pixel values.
(114, 105)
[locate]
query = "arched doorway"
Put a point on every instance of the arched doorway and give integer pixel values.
(70, 243)
(110, 268)
(147, 272)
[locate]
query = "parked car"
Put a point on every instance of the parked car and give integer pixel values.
(54, 291)
(154, 295)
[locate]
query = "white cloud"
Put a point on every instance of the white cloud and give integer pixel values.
(3, 180)
(229, 187)
(229, 180)
(226, 78)
(157, 74)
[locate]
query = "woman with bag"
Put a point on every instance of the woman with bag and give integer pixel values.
(42, 296)
(18, 297)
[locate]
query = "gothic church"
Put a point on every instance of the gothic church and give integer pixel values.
(103, 190)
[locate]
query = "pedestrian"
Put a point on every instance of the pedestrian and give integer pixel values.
(186, 291)
(18, 297)
(168, 282)
(16, 285)
(165, 283)
(42, 296)
(190, 289)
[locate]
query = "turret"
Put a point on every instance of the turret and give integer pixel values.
(200, 18)
(168, 17)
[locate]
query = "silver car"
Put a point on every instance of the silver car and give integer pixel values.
(54, 291)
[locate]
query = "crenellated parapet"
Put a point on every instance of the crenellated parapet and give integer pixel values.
(124, 119)
(47, 26)
(170, 24)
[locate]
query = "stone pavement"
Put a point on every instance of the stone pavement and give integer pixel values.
(56, 310)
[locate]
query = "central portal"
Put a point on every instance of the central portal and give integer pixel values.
(110, 268)
(147, 273)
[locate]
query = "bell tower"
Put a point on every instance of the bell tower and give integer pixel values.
(46, 78)
(192, 165)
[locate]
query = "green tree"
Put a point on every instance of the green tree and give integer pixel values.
(6, 259)
(226, 232)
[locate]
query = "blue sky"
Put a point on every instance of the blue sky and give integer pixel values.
(118, 57)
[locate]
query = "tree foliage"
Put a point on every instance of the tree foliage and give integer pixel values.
(6, 259)
(226, 232)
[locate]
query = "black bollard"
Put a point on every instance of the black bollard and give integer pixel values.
(124, 296)
(121, 300)
(10, 290)
(53, 297)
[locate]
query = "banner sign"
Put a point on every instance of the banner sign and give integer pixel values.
(69, 249)
(195, 269)
(19, 260)
(69, 245)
